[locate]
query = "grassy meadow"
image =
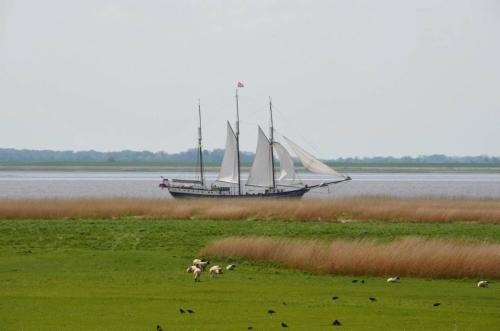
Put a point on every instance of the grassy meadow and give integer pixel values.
(128, 273)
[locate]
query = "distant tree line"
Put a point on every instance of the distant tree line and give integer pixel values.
(189, 156)
(422, 159)
(211, 157)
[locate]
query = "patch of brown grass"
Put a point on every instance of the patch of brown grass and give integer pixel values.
(416, 257)
(339, 209)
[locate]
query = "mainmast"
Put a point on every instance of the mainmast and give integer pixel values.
(238, 141)
(271, 139)
(200, 147)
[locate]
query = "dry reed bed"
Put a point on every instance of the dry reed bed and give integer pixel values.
(339, 209)
(415, 257)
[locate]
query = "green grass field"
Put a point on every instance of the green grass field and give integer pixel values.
(129, 274)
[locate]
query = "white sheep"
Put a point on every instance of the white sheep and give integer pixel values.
(202, 264)
(191, 268)
(215, 271)
(196, 274)
(231, 267)
(393, 279)
(483, 283)
(196, 261)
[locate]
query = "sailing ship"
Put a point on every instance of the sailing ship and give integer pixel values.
(262, 182)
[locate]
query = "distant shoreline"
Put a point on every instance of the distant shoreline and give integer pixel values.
(162, 167)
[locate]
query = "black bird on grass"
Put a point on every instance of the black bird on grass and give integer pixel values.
(190, 311)
(158, 328)
(436, 304)
(363, 281)
(270, 311)
(354, 280)
(283, 324)
(181, 311)
(335, 298)
(372, 299)
(250, 328)
(336, 323)
(284, 303)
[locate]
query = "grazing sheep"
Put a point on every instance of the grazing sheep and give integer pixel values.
(483, 283)
(393, 279)
(231, 267)
(216, 270)
(196, 274)
(196, 261)
(202, 264)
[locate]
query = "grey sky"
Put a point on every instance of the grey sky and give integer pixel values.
(348, 78)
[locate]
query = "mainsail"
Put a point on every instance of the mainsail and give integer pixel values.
(229, 169)
(261, 173)
(287, 169)
(310, 162)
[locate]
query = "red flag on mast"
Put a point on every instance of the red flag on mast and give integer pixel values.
(240, 84)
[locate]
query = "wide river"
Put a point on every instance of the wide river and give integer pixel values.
(50, 184)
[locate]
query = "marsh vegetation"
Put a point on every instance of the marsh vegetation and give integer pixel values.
(386, 209)
(412, 257)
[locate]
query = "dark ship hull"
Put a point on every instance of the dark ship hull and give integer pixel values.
(186, 192)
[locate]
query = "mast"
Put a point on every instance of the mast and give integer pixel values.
(200, 147)
(271, 139)
(238, 141)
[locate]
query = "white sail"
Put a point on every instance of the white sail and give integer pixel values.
(261, 173)
(310, 162)
(229, 169)
(287, 169)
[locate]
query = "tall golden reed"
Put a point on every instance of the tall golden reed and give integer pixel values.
(339, 209)
(416, 257)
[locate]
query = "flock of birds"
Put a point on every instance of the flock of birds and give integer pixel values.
(199, 266)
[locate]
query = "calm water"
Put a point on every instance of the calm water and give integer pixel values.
(36, 184)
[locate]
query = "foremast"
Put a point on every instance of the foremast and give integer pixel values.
(200, 146)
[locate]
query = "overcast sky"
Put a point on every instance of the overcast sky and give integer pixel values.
(347, 78)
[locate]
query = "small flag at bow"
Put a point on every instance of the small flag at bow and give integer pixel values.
(240, 84)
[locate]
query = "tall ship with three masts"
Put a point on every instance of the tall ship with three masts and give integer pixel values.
(263, 181)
